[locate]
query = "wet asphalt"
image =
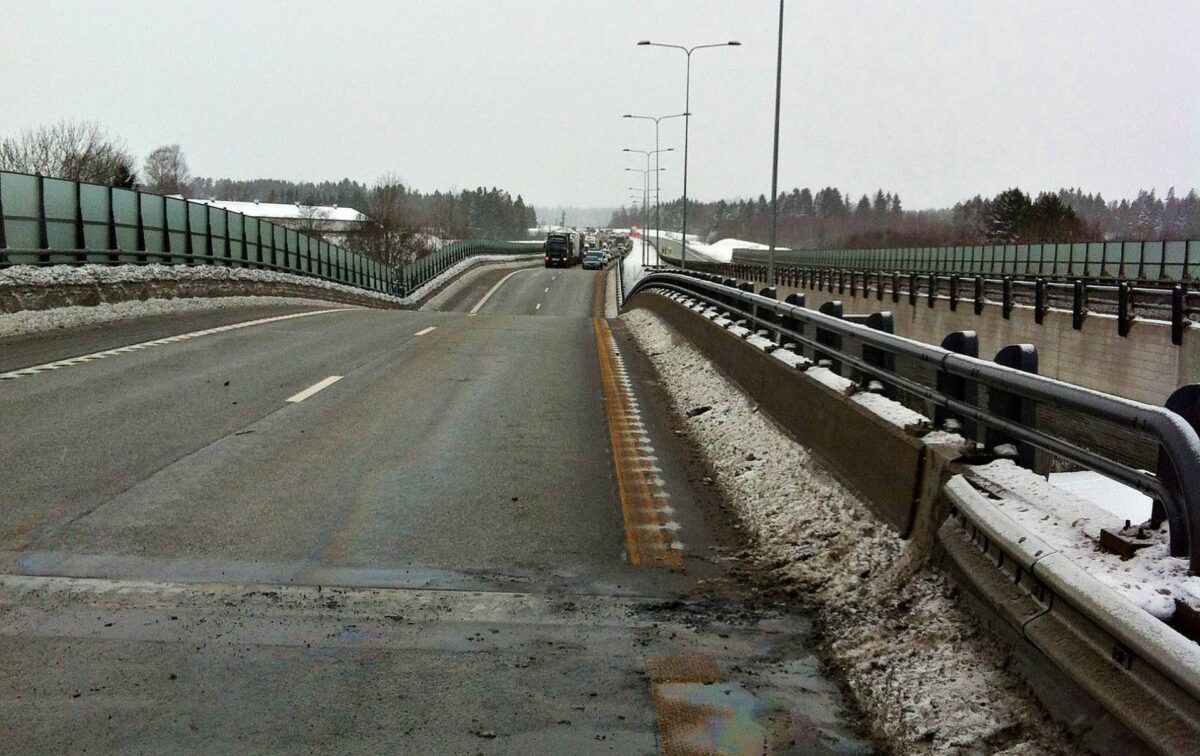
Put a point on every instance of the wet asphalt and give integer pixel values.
(426, 556)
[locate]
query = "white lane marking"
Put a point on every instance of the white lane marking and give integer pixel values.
(424, 331)
(294, 398)
(495, 288)
(85, 358)
(545, 289)
(553, 277)
(539, 306)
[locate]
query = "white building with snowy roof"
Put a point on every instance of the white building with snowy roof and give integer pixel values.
(315, 220)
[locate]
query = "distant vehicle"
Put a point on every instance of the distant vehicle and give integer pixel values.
(561, 249)
(590, 241)
(594, 260)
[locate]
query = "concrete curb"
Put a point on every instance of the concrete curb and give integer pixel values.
(36, 296)
(1143, 674)
(903, 482)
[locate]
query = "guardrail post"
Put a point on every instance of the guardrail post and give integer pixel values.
(770, 293)
(954, 293)
(1011, 406)
(912, 289)
(1039, 300)
(1079, 304)
(885, 322)
(725, 298)
(932, 288)
(979, 295)
(1185, 402)
(964, 343)
(790, 324)
(1124, 310)
(833, 309)
(879, 285)
(896, 286)
(1006, 297)
(1178, 311)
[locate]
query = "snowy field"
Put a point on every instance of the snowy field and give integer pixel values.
(719, 251)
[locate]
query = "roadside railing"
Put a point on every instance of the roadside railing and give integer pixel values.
(999, 401)
(48, 221)
(1099, 260)
(1126, 300)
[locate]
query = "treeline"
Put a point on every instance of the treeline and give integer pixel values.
(479, 213)
(830, 218)
(401, 219)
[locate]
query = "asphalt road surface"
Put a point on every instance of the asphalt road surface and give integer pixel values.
(327, 529)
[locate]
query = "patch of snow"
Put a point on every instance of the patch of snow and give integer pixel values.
(38, 321)
(73, 275)
(1070, 523)
(891, 411)
(924, 675)
(831, 379)
(1125, 502)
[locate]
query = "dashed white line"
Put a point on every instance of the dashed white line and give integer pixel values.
(424, 331)
(85, 358)
(545, 289)
(319, 385)
(539, 306)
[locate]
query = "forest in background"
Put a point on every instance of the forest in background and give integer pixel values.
(830, 218)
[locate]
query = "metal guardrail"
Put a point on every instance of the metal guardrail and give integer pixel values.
(48, 221)
(1012, 393)
(1127, 300)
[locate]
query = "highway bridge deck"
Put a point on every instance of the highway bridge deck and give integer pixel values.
(376, 530)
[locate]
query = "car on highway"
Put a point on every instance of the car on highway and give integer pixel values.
(594, 260)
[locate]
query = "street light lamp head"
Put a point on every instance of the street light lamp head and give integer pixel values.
(627, 115)
(644, 42)
(734, 43)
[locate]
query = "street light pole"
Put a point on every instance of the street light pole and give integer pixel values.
(687, 109)
(657, 188)
(655, 152)
(775, 155)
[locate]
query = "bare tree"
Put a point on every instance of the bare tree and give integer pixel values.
(390, 233)
(313, 221)
(76, 150)
(166, 170)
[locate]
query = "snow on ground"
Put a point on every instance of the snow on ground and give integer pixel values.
(1151, 578)
(38, 321)
(63, 275)
(1125, 502)
(75, 275)
(925, 676)
(719, 251)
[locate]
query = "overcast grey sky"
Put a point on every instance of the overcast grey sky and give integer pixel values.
(935, 99)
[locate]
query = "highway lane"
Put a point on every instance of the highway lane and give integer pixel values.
(431, 554)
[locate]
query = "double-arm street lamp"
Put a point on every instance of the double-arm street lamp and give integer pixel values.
(655, 152)
(657, 209)
(687, 111)
(646, 190)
